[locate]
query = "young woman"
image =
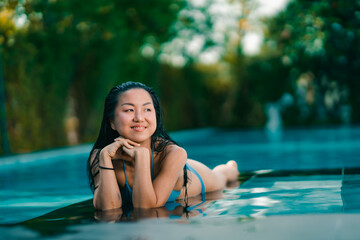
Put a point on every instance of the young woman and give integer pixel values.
(134, 162)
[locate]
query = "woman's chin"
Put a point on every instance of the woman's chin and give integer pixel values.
(139, 139)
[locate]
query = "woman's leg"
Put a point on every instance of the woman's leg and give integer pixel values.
(229, 171)
(215, 179)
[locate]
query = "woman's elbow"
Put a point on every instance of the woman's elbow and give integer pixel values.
(100, 204)
(97, 204)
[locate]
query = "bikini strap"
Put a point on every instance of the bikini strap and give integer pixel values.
(191, 169)
(152, 166)
(125, 172)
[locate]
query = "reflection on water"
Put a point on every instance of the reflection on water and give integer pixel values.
(264, 194)
(179, 210)
(291, 188)
(326, 191)
(350, 191)
(59, 221)
(172, 210)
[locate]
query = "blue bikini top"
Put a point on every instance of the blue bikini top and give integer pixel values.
(126, 191)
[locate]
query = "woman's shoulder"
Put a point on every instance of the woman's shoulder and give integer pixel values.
(175, 151)
(164, 146)
(172, 156)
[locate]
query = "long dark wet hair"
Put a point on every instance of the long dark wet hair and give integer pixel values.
(159, 140)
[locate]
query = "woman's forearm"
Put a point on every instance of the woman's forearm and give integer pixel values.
(107, 195)
(143, 191)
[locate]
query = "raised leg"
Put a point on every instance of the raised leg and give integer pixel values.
(228, 171)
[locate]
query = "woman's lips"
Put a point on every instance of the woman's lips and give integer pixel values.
(138, 128)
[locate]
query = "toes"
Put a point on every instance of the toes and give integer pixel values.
(232, 163)
(234, 172)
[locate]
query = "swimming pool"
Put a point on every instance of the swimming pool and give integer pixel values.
(305, 183)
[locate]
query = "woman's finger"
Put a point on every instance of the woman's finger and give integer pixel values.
(121, 141)
(126, 144)
(118, 143)
(132, 142)
(124, 140)
(129, 151)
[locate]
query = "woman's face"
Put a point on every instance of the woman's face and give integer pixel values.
(135, 116)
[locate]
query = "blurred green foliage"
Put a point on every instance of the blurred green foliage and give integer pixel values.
(312, 50)
(62, 57)
(65, 59)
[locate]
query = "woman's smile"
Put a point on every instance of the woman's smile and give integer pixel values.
(138, 128)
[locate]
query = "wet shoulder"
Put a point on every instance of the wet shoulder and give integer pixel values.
(174, 152)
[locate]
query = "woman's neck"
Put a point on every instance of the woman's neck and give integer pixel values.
(146, 144)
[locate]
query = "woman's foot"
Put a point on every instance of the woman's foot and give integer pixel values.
(233, 172)
(227, 174)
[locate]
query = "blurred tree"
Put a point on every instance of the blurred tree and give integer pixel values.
(62, 57)
(204, 69)
(68, 54)
(3, 119)
(315, 48)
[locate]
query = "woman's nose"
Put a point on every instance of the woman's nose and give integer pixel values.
(138, 116)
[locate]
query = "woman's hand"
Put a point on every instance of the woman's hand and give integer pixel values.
(134, 151)
(113, 150)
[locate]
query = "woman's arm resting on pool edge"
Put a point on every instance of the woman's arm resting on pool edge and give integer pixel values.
(107, 195)
(152, 194)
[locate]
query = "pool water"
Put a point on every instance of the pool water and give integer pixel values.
(34, 184)
(301, 184)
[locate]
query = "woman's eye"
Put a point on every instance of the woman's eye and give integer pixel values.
(147, 110)
(128, 110)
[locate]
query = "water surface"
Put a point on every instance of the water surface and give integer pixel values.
(296, 177)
